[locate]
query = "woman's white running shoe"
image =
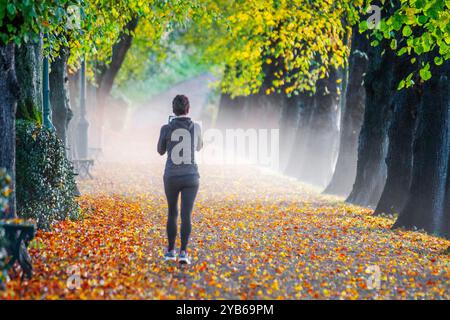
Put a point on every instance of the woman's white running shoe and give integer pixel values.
(183, 258)
(170, 256)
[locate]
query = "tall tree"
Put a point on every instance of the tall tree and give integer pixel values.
(399, 156)
(107, 72)
(373, 139)
(295, 163)
(290, 115)
(427, 205)
(8, 102)
(22, 23)
(59, 94)
(417, 31)
(323, 133)
(352, 116)
(28, 60)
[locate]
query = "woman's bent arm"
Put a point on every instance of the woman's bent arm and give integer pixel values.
(162, 143)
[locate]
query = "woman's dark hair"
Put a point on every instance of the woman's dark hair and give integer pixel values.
(180, 105)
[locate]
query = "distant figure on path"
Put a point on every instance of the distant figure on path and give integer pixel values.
(181, 137)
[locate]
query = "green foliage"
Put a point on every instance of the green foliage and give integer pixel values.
(138, 85)
(22, 21)
(29, 112)
(420, 29)
(45, 180)
(103, 21)
(299, 41)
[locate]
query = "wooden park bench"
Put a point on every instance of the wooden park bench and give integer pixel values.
(18, 234)
(82, 167)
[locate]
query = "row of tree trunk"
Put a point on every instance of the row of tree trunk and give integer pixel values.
(392, 146)
(426, 204)
(21, 98)
(21, 90)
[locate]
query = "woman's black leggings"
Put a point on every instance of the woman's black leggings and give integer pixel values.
(188, 186)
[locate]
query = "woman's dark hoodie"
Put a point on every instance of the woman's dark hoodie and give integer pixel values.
(168, 140)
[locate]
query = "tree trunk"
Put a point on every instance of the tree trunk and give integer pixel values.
(352, 118)
(252, 112)
(373, 139)
(106, 73)
(323, 133)
(295, 162)
(59, 94)
(399, 156)
(28, 64)
(290, 110)
(74, 96)
(230, 112)
(8, 102)
(428, 203)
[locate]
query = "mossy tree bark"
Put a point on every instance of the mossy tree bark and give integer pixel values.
(59, 94)
(28, 63)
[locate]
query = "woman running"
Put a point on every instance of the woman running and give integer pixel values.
(181, 137)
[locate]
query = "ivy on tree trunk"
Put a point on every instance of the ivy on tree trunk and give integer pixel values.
(28, 64)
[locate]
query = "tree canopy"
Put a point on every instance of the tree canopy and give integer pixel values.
(297, 40)
(417, 28)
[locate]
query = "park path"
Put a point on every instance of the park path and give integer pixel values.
(256, 235)
(138, 138)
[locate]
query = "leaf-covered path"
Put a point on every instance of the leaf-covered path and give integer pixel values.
(255, 235)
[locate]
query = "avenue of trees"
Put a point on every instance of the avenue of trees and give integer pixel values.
(361, 100)
(362, 103)
(63, 34)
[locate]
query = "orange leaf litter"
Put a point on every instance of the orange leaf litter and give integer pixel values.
(255, 235)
